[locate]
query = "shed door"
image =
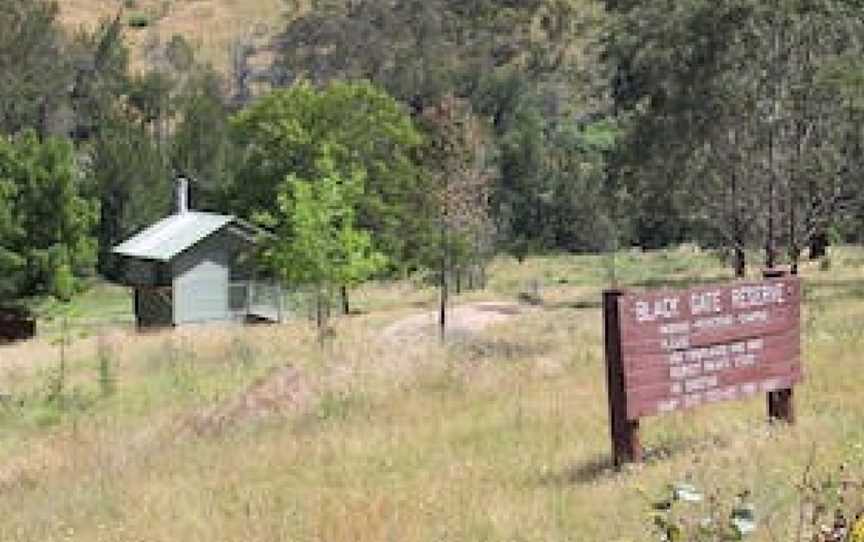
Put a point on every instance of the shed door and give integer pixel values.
(201, 287)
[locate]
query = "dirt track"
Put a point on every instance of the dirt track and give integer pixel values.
(468, 318)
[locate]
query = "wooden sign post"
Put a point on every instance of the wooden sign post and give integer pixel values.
(669, 350)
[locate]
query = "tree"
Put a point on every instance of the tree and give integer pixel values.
(356, 126)
(101, 64)
(455, 158)
(12, 263)
(317, 243)
(45, 220)
(420, 51)
(129, 177)
(525, 68)
(34, 72)
(201, 144)
(728, 121)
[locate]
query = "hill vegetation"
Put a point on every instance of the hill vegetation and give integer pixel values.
(213, 27)
(534, 127)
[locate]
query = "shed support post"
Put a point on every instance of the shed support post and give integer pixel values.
(780, 402)
(136, 304)
(281, 294)
(781, 405)
(624, 433)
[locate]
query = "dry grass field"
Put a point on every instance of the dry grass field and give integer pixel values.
(211, 26)
(238, 433)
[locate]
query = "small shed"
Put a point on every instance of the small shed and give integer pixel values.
(194, 267)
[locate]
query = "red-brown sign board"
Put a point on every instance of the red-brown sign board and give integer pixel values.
(684, 348)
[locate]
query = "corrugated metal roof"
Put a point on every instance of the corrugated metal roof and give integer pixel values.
(172, 235)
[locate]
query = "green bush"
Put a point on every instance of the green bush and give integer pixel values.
(63, 282)
(138, 20)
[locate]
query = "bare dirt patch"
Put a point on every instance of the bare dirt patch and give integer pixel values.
(282, 391)
(463, 319)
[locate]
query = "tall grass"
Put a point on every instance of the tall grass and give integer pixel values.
(499, 435)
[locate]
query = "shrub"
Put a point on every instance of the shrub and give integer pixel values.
(138, 20)
(683, 514)
(105, 355)
(63, 282)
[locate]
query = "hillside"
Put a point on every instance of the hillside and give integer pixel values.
(211, 26)
(231, 433)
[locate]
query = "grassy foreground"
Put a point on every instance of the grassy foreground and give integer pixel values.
(500, 435)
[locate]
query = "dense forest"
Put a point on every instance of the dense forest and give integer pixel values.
(433, 134)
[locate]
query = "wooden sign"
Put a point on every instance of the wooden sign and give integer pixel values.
(671, 350)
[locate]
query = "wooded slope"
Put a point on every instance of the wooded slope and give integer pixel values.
(214, 27)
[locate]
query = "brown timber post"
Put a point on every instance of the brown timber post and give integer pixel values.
(625, 433)
(781, 405)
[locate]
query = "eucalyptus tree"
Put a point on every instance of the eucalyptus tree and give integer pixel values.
(729, 118)
(34, 69)
(201, 145)
(455, 156)
(129, 177)
(100, 60)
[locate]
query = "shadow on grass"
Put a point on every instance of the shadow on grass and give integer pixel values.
(579, 304)
(601, 467)
(591, 470)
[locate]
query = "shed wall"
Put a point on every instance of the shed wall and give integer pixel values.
(139, 272)
(201, 276)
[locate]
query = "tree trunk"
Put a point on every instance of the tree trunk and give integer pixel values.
(321, 315)
(442, 309)
(458, 281)
(770, 257)
(739, 256)
(770, 242)
(818, 245)
(346, 306)
(796, 256)
(794, 249)
(740, 262)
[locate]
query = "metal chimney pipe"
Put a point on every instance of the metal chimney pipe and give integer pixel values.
(182, 199)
